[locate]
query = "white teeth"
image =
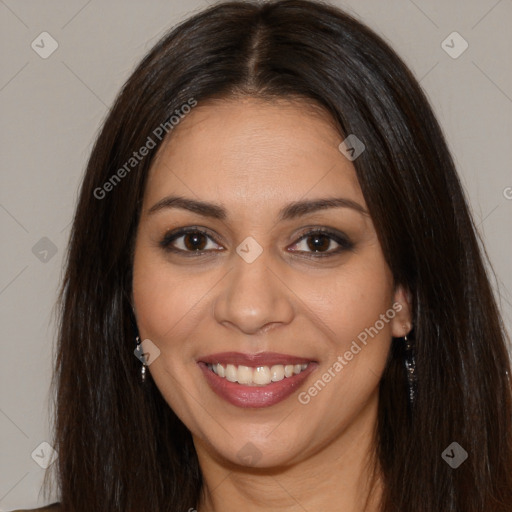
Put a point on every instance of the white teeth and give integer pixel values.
(288, 370)
(244, 375)
(259, 376)
(220, 370)
(231, 373)
(277, 372)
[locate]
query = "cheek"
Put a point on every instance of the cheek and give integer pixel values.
(161, 298)
(350, 301)
(358, 345)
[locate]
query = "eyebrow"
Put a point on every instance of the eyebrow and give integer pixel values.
(288, 212)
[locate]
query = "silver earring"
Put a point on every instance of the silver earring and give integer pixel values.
(140, 355)
(410, 368)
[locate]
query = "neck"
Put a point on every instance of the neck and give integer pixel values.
(338, 476)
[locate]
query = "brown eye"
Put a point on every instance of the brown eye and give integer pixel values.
(190, 241)
(194, 241)
(319, 241)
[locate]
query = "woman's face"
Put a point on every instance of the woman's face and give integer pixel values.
(297, 327)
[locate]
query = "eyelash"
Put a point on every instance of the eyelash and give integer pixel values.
(344, 243)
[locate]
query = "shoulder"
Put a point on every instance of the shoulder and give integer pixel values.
(55, 507)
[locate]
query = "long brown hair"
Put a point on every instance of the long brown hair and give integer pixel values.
(120, 446)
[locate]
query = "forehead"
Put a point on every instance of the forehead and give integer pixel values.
(255, 151)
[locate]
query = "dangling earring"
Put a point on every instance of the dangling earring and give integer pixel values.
(140, 354)
(410, 368)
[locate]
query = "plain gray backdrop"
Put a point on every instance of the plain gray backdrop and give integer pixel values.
(54, 103)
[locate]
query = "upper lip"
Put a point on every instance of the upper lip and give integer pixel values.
(254, 360)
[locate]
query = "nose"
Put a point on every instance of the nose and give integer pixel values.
(254, 296)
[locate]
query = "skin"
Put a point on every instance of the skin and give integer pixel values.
(254, 157)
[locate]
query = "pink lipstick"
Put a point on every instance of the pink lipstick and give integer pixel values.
(255, 380)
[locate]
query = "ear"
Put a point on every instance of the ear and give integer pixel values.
(401, 324)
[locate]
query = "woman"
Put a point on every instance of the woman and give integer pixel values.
(271, 222)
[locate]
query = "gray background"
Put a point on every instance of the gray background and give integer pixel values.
(52, 109)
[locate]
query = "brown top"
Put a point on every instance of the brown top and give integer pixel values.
(55, 507)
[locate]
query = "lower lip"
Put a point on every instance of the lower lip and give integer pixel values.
(255, 396)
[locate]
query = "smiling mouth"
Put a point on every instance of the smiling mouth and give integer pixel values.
(257, 376)
(256, 386)
(255, 380)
